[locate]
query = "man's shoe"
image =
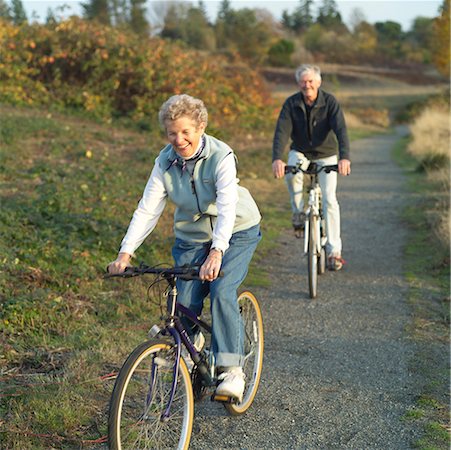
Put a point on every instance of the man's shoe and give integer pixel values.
(199, 342)
(335, 262)
(298, 221)
(232, 383)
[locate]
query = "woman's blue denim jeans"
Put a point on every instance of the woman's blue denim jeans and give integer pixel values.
(227, 327)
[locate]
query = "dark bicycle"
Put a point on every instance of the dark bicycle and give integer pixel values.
(315, 227)
(152, 404)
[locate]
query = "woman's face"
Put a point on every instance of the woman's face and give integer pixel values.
(184, 135)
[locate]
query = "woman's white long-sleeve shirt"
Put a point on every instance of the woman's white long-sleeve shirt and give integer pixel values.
(154, 199)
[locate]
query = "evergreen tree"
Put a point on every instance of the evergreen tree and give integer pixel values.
(329, 16)
(173, 27)
(301, 19)
(97, 10)
(138, 21)
(198, 31)
(119, 12)
(5, 12)
(224, 10)
(50, 19)
(18, 14)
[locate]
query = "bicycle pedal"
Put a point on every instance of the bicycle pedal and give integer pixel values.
(222, 398)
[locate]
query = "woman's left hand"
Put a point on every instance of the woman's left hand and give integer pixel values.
(209, 270)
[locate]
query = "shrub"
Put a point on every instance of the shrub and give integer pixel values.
(109, 72)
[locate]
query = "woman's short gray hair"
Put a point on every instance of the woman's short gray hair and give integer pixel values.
(304, 68)
(183, 105)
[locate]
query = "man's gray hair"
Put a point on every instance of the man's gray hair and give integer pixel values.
(183, 105)
(304, 68)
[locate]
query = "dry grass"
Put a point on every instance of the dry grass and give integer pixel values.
(431, 133)
(430, 145)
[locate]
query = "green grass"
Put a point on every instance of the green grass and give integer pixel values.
(427, 269)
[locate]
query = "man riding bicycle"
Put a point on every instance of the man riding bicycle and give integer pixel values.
(314, 121)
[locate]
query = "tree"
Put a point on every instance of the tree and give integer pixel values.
(174, 21)
(357, 17)
(97, 10)
(119, 12)
(441, 33)
(50, 18)
(365, 39)
(18, 14)
(301, 19)
(137, 19)
(280, 53)
(5, 12)
(329, 16)
(198, 31)
(224, 10)
(240, 31)
(390, 38)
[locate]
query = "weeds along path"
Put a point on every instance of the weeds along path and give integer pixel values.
(336, 369)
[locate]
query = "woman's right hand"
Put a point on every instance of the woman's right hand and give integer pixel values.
(119, 264)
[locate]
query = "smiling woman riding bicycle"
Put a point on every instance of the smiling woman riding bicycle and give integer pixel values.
(216, 225)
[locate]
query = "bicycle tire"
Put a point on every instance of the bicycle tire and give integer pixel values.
(312, 257)
(140, 396)
(322, 255)
(253, 350)
(322, 261)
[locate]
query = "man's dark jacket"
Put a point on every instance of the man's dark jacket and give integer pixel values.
(316, 138)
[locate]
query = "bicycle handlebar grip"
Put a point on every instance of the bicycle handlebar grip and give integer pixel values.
(333, 167)
(291, 169)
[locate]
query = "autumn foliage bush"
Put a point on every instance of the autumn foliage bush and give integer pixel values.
(111, 73)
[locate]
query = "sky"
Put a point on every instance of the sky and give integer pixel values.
(400, 11)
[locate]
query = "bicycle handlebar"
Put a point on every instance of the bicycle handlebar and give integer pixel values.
(184, 272)
(312, 169)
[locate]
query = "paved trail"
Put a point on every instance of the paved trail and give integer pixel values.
(336, 368)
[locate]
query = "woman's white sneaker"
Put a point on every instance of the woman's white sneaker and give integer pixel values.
(232, 383)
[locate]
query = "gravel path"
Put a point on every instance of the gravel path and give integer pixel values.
(336, 368)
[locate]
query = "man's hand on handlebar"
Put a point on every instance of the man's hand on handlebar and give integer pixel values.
(344, 167)
(278, 168)
(119, 264)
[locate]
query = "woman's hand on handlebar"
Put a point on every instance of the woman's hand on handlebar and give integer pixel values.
(119, 264)
(278, 168)
(344, 167)
(209, 270)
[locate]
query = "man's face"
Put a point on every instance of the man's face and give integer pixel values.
(309, 85)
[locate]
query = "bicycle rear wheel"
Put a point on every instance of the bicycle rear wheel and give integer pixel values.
(140, 398)
(253, 351)
(313, 257)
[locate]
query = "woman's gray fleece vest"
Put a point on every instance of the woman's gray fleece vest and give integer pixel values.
(195, 196)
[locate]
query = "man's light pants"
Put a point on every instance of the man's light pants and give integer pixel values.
(331, 208)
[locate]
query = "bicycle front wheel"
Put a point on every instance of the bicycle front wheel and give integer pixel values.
(313, 257)
(139, 417)
(253, 351)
